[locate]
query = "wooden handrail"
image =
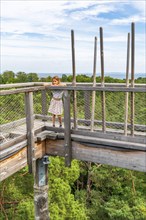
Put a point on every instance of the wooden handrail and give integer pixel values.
(141, 88)
(18, 85)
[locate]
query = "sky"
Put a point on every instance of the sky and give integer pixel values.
(36, 35)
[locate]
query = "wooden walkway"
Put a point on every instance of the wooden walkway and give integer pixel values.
(18, 128)
(30, 141)
(112, 148)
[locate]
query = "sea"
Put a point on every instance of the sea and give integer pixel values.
(117, 75)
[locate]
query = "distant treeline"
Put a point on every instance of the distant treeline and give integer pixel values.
(19, 77)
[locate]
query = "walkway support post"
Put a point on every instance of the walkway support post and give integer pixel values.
(94, 84)
(37, 167)
(30, 132)
(67, 131)
(132, 75)
(127, 85)
(41, 189)
(44, 104)
(102, 80)
(74, 80)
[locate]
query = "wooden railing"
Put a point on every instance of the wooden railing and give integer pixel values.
(82, 143)
(29, 88)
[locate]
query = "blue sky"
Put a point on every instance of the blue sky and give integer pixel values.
(36, 35)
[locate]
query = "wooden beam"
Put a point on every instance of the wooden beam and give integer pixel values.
(18, 139)
(127, 84)
(98, 122)
(116, 88)
(111, 136)
(12, 150)
(92, 151)
(67, 130)
(87, 110)
(132, 76)
(12, 142)
(17, 85)
(91, 139)
(17, 161)
(30, 131)
(44, 103)
(94, 84)
(133, 160)
(74, 80)
(12, 124)
(41, 190)
(102, 81)
(106, 142)
(22, 90)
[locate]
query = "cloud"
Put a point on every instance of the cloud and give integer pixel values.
(41, 30)
(128, 20)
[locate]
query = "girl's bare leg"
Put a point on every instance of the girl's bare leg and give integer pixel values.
(60, 120)
(53, 120)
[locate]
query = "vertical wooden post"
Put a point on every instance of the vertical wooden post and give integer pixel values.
(74, 80)
(41, 190)
(127, 84)
(67, 132)
(94, 84)
(102, 81)
(38, 168)
(44, 104)
(132, 75)
(87, 108)
(30, 132)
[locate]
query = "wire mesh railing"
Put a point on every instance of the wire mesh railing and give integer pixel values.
(114, 111)
(13, 114)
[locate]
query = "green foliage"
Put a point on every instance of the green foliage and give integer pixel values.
(32, 77)
(141, 80)
(84, 191)
(21, 77)
(140, 108)
(1, 79)
(18, 190)
(118, 208)
(62, 202)
(83, 78)
(109, 79)
(113, 193)
(25, 210)
(49, 79)
(17, 196)
(37, 99)
(8, 77)
(64, 78)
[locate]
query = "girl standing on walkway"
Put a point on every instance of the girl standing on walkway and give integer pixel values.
(56, 104)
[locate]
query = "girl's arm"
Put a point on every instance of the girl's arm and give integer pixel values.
(62, 84)
(47, 84)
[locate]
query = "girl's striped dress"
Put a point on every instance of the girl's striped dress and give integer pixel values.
(56, 104)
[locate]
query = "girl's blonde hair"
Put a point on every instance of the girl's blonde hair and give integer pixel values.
(56, 78)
